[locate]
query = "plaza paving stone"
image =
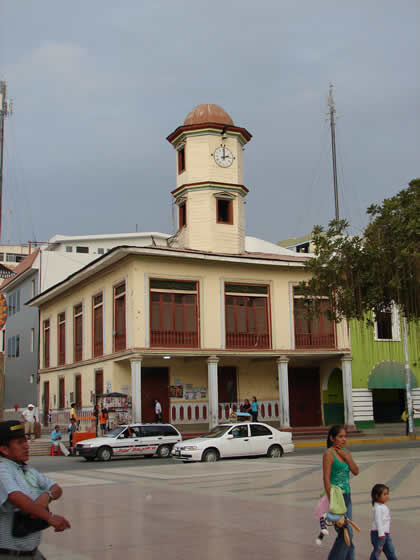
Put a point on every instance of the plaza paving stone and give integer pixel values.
(247, 508)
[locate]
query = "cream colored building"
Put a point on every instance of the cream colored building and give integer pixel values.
(201, 323)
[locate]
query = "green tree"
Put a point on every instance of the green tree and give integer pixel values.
(369, 272)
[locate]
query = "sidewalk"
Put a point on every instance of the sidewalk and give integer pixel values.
(383, 433)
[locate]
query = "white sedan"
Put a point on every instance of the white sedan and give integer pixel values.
(235, 440)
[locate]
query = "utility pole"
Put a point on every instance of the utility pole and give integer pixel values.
(409, 398)
(6, 108)
(331, 106)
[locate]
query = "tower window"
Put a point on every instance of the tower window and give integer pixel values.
(224, 211)
(181, 160)
(182, 215)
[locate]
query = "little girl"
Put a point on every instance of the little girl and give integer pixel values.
(380, 535)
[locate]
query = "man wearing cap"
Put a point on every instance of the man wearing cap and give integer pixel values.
(23, 490)
(29, 417)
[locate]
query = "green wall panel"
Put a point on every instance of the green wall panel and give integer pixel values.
(368, 352)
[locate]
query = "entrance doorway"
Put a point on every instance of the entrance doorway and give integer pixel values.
(334, 399)
(388, 405)
(304, 397)
(154, 385)
(226, 384)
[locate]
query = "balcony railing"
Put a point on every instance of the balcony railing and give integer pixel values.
(187, 339)
(247, 340)
(310, 340)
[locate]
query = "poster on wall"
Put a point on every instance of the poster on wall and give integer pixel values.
(179, 390)
(176, 391)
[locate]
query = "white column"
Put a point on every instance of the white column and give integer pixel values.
(213, 396)
(283, 375)
(347, 390)
(136, 389)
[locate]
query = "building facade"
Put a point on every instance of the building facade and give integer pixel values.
(44, 267)
(202, 323)
(379, 376)
(21, 337)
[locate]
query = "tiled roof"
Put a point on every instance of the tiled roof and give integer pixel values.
(22, 267)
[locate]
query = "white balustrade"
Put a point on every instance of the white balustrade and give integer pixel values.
(197, 413)
(62, 418)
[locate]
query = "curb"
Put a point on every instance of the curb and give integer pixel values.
(365, 441)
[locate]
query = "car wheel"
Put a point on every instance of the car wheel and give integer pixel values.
(105, 453)
(210, 456)
(163, 451)
(275, 451)
(89, 459)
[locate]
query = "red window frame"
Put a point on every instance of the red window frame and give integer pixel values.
(61, 393)
(99, 382)
(46, 347)
(173, 306)
(313, 332)
(120, 321)
(98, 325)
(61, 338)
(78, 332)
(182, 212)
(229, 211)
(78, 390)
(245, 308)
(181, 160)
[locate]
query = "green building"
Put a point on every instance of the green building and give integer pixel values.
(378, 373)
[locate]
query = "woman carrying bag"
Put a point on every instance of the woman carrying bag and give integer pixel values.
(337, 464)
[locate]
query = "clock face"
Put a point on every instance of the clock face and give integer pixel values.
(223, 156)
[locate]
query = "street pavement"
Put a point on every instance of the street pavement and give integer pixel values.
(244, 508)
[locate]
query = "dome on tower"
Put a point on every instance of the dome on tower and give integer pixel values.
(208, 113)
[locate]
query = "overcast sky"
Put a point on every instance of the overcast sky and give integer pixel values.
(98, 85)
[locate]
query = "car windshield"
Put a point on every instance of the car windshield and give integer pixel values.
(115, 432)
(217, 431)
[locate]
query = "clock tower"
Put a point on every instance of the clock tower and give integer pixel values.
(210, 194)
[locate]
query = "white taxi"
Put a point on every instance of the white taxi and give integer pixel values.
(129, 441)
(235, 440)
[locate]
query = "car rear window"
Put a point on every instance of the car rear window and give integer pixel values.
(258, 430)
(153, 431)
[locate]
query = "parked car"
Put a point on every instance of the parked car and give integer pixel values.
(235, 440)
(129, 441)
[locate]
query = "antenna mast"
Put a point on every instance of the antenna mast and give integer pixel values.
(6, 108)
(331, 106)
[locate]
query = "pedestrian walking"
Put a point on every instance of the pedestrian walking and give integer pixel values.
(337, 463)
(158, 411)
(25, 495)
(254, 409)
(29, 418)
(380, 535)
(56, 440)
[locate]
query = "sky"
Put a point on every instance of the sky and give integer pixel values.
(97, 86)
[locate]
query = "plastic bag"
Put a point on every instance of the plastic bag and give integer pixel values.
(322, 506)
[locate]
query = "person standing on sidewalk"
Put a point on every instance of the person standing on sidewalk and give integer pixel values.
(404, 418)
(103, 418)
(254, 409)
(158, 410)
(337, 464)
(29, 418)
(25, 495)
